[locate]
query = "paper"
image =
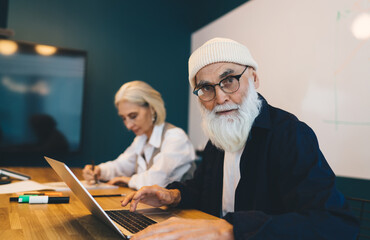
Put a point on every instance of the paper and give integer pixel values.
(29, 185)
(22, 186)
(62, 186)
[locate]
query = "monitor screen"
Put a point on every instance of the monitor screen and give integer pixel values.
(41, 97)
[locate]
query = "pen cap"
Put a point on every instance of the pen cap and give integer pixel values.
(25, 198)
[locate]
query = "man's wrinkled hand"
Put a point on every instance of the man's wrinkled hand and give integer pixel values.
(178, 228)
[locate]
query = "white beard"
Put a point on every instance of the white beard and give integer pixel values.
(230, 132)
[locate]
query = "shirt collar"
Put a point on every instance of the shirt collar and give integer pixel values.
(155, 139)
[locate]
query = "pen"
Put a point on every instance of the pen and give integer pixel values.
(111, 195)
(39, 199)
(55, 194)
(93, 168)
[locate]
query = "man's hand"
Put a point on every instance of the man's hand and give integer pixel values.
(155, 196)
(89, 174)
(178, 228)
(119, 180)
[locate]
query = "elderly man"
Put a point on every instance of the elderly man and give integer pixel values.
(262, 170)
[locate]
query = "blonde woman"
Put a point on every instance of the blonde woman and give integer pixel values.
(160, 153)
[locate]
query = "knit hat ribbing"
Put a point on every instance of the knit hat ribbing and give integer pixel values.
(219, 50)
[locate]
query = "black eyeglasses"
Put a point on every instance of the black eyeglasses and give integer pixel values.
(230, 84)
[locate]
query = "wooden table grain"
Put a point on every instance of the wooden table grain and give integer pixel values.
(63, 221)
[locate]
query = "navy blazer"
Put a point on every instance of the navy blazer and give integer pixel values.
(286, 190)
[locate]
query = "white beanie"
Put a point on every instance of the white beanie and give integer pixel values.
(219, 50)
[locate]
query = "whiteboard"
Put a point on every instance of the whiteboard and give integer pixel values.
(314, 61)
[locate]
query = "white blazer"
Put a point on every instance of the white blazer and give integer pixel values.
(174, 160)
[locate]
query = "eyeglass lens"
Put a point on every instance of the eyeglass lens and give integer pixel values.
(227, 85)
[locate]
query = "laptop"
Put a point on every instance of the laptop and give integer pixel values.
(123, 222)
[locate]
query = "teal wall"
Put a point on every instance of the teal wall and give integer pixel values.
(352, 187)
(203, 12)
(3, 13)
(127, 40)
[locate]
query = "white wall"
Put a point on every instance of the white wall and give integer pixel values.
(310, 64)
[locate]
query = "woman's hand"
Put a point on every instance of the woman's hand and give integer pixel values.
(155, 196)
(89, 174)
(119, 181)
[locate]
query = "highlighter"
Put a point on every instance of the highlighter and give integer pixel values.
(39, 199)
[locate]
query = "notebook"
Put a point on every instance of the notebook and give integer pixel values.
(123, 222)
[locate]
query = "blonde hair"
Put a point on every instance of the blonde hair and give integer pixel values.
(143, 94)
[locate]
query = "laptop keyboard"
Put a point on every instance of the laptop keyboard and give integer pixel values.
(132, 221)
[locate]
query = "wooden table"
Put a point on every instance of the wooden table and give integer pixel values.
(63, 221)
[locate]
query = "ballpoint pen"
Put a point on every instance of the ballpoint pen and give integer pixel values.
(55, 194)
(95, 175)
(111, 195)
